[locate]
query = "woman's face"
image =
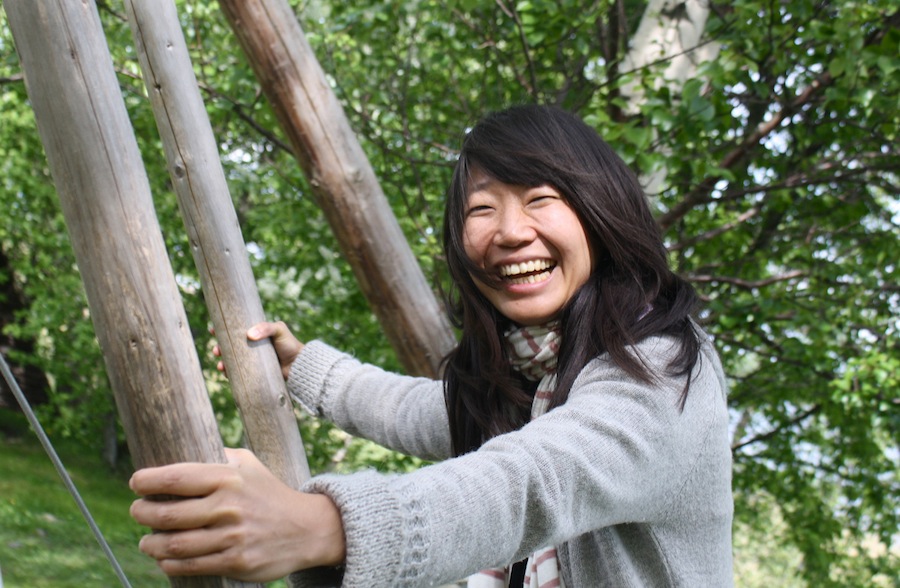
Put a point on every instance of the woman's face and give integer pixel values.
(532, 240)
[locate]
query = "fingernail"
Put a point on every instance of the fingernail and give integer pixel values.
(253, 333)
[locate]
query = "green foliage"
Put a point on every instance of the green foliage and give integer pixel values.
(777, 166)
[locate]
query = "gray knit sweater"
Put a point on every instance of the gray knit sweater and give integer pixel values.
(632, 490)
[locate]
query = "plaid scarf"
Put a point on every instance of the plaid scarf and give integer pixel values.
(533, 353)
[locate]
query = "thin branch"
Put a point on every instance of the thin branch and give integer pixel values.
(769, 350)
(746, 284)
(772, 433)
(238, 108)
(526, 49)
(700, 194)
(13, 79)
(490, 43)
(715, 232)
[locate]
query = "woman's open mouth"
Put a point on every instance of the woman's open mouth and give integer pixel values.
(527, 272)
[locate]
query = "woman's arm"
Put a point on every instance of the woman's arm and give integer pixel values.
(402, 413)
(399, 412)
(619, 451)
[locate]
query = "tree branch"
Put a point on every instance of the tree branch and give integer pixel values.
(700, 194)
(490, 43)
(13, 79)
(715, 232)
(746, 284)
(772, 433)
(512, 13)
(238, 109)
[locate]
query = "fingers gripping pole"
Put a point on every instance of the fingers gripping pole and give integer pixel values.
(215, 238)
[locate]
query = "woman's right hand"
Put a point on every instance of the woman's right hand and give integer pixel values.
(235, 519)
(287, 347)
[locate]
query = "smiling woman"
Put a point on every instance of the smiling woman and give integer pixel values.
(591, 207)
(531, 242)
(581, 422)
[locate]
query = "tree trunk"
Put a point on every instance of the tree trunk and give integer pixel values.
(105, 196)
(343, 181)
(670, 30)
(215, 237)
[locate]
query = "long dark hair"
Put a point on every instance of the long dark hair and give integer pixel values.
(631, 294)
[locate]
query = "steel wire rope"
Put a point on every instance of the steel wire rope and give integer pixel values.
(61, 470)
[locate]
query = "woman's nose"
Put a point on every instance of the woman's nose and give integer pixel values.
(514, 227)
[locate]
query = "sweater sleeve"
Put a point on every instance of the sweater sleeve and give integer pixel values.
(402, 413)
(619, 451)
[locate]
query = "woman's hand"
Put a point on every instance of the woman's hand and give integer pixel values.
(236, 520)
(287, 347)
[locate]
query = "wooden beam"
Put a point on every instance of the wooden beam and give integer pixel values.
(343, 180)
(215, 239)
(105, 195)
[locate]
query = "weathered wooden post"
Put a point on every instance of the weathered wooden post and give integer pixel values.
(105, 196)
(215, 238)
(344, 182)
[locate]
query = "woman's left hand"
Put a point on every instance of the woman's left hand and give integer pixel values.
(236, 520)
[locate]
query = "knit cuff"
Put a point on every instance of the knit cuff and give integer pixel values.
(382, 529)
(309, 373)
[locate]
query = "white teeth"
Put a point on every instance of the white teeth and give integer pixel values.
(532, 279)
(525, 267)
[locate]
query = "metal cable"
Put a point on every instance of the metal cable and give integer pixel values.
(60, 469)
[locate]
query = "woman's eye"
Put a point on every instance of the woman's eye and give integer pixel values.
(543, 198)
(479, 209)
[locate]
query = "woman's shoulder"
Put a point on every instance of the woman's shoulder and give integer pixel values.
(657, 353)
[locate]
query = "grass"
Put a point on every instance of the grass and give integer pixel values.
(44, 539)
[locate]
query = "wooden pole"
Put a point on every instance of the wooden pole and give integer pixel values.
(215, 238)
(105, 195)
(344, 182)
